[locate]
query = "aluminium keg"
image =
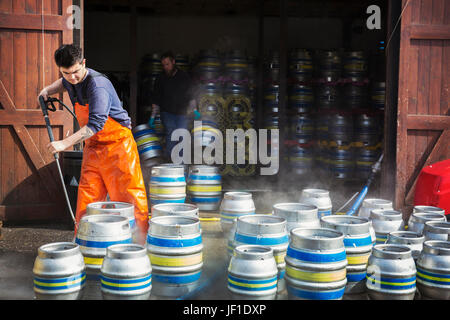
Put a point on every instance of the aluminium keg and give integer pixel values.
(252, 273)
(365, 158)
(147, 142)
(410, 239)
(378, 95)
(301, 95)
(204, 187)
(300, 64)
(340, 162)
(116, 208)
(264, 230)
(174, 209)
(302, 127)
(433, 270)
(437, 230)
(355, 64)
(355, 95)
(175, 248)
(367, 124)
(429, 209)
(371, 204)
(206, 134)
(182, 61)
(297, 215)
(391, 273)
(126, 272)
(234, 205)
(417, 220)
(167, 184)
(318, 197)
(59, 271)
(328, 96)
(384, 222)
(358, 246)
(301, 159)
(316, 264)
(329, 65)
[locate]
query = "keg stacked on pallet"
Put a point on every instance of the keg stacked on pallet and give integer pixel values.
(300, 135)
(271, 93)
(328, 101)
(210, 101)
(238, 106)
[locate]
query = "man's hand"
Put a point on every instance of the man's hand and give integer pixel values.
(44, 94)
(57, 146)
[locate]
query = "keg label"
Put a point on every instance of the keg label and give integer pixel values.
(316, 257)
(126, 284)
(60, 283)
(252, 285)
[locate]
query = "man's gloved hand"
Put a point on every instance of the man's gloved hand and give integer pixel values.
(197, 115)
(151, 122)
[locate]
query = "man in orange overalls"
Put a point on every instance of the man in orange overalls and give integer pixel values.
(110, 158)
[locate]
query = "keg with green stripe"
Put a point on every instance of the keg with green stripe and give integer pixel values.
(126, 272)
(233, 205)
(175, 248)
(252, 273)
(59, 271)
(147, 142)
(391, 273)
(436, 230)
(174, 209)
(358, 246)
(167, 184)
(115, 208)
(410, 239)
(264, 230)
(297, 215)
(97, 232)
(204, 187)
(433, 270)
(316, 264)
(384, 222)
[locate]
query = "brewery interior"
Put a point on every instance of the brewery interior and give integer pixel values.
(300, 69)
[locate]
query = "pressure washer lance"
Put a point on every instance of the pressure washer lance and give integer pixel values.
(375, 168)
(44, 108)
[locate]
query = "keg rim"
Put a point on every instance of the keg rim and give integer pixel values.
(277, 221)
(392, 251)
(192, 220)
(253, 252)
(362, 220)
(437, 247)
(203, 166)
(95, 205)
(304, 233)
(140, 127)
(377, 202)
(427, 216)
(69, 249)
(307, 207)
(237, 195)
(103, 218)
(188, 207)
(119, 251)
(411, 236)
(441, 227)
(424, 208)
(386, 214)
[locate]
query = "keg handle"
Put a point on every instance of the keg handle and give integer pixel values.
(195, 170)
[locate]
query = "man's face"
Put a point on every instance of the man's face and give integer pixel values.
(168, 65)
(75, 73)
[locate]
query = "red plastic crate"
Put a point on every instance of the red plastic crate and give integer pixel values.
(433, 186)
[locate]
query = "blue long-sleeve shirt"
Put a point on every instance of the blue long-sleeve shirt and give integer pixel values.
(99, 93)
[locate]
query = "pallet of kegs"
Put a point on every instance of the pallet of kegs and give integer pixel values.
(204, 187)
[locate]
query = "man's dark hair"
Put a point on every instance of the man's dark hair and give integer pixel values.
(168, 54)
(67, 55)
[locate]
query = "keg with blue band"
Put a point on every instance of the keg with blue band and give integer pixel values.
(264, 241)
(392, 283)
(433, 277)
(60, 284)
(316, 295)
(252, 285)
(316, 257)
(129, 285)
(174, 242)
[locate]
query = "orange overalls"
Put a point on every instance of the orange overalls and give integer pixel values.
(111, 165)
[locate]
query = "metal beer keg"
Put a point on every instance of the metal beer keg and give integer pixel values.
(429, 209)
(410, 239)
(384, 222)
(167, 184)
(252, 273)
(358, 246)
(417, 220)
(297, 215)
(436, 230)
(318, 197)
(433, 270)
(174, 209)
(371, 204)
(234, 205)
(316, 264)
(126, 272)
(59, 271)
(204, 187)
(391, 273)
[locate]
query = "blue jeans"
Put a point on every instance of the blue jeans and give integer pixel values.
(171, 122)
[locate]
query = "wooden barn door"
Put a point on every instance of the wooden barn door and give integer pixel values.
(423, 132)
(30, 32)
